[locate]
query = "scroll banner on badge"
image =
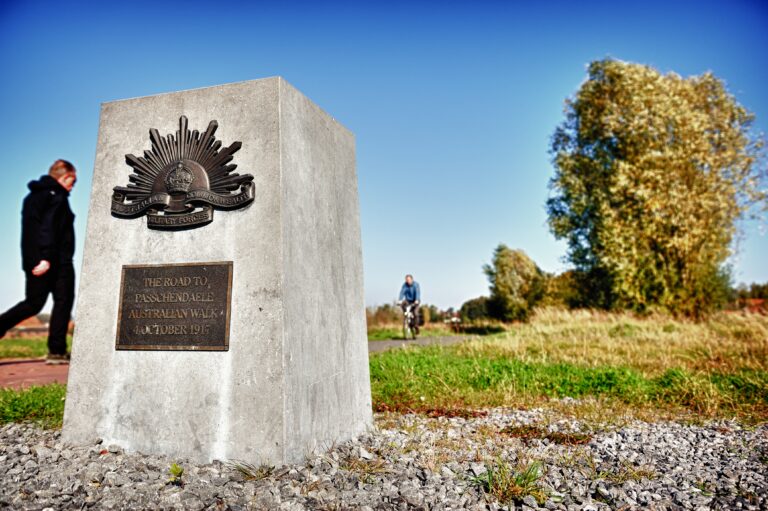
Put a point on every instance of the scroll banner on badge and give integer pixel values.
(222, 201)
(156, 200)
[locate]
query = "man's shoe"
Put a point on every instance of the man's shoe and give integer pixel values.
(54, 359)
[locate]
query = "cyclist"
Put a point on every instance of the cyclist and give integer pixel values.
(410, 294)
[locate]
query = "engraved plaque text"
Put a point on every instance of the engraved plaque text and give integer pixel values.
(175, 307)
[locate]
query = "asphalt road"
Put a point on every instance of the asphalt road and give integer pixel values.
(375, 346)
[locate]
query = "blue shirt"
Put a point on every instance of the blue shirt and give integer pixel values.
(410, 293)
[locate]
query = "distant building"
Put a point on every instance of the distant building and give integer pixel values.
(31, 327)
(34, 327)
(756, 305)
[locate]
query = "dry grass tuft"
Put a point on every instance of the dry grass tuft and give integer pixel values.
(250, 471)
(365, 470)
(651, 344)
(509, 484)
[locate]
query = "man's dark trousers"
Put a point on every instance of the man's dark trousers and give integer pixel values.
(58, 281)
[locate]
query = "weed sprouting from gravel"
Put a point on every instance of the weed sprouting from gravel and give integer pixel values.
(582, 461)
(364, 469)
(509, 484)
(628, 472)
(176, 471)
(250, 471)
(704, 487)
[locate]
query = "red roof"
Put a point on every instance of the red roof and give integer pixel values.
(32, 322)
(756, 305)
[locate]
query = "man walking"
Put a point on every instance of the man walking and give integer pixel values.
(47, 247)
(410, 294)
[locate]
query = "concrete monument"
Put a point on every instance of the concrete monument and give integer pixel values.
(234, 335)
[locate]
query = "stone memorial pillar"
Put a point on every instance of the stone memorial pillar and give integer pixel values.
(220, 311)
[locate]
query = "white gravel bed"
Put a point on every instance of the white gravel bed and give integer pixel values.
(412, 462)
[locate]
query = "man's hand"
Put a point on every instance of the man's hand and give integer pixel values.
(41, 268)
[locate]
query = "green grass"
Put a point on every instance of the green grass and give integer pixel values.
(26, 348)
(42, 405)
(510, 484)
(615, 363)
(717, 369)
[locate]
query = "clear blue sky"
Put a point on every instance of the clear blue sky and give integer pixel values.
(452, 103)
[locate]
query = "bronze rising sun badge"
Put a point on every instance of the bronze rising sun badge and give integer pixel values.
(182, 179)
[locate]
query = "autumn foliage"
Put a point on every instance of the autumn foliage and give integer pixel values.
(653, 171)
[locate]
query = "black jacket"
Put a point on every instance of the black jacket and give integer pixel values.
(47, 224)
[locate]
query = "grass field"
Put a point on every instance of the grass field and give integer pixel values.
(43, 405)
(613, 364)
(26, 348)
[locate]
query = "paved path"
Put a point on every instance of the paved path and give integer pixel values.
(20, 373)
(374, 346)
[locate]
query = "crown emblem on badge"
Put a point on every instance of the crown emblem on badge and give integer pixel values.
(179, 179)
(182, 179)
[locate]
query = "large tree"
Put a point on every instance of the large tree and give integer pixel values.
(517, 284)
(652, 173)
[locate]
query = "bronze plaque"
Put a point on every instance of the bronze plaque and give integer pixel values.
(175, 307)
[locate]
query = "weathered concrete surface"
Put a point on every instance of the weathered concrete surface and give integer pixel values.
(325, 349)
(296, 372)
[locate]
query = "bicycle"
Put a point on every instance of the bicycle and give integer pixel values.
(410, 321)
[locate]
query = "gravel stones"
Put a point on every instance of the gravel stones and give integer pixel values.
(410, 462)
